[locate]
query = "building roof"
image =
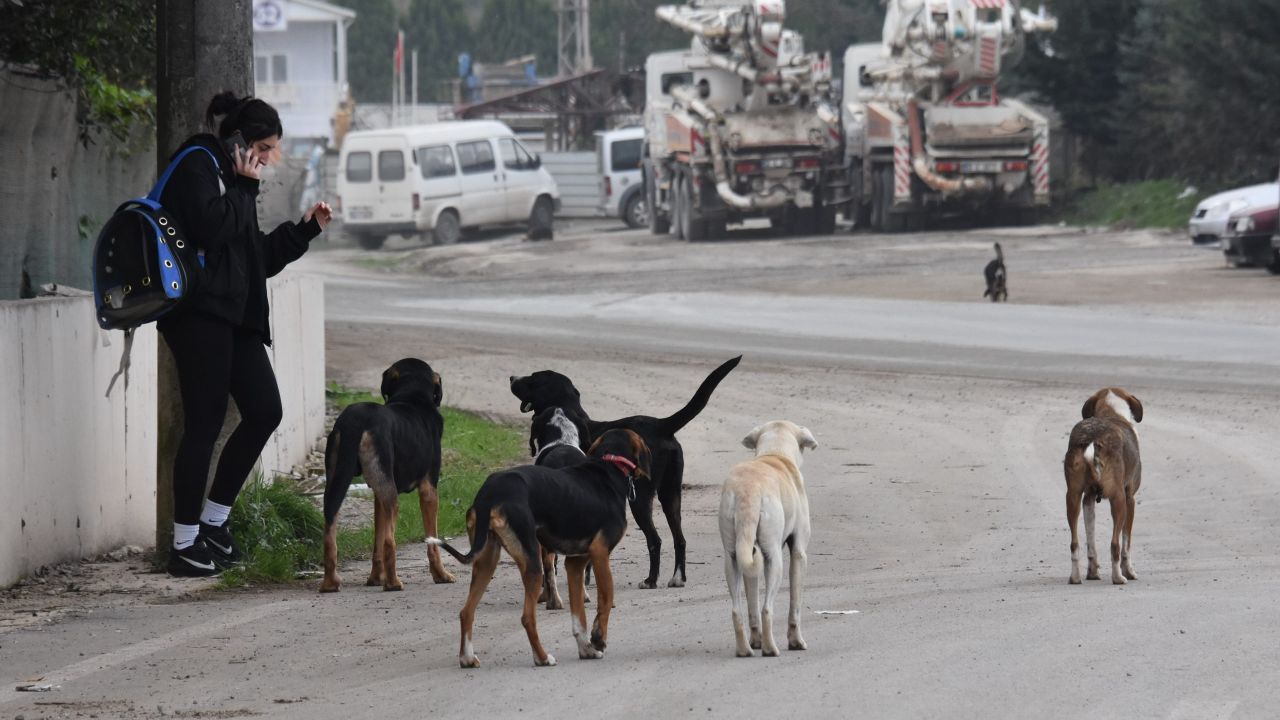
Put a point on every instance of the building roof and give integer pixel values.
(304, 10)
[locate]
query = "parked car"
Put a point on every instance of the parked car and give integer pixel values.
(1209, 221)
(1247, 240)
(435, 180)
(621, 184)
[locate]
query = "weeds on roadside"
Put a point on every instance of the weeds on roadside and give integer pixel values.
(280, 530)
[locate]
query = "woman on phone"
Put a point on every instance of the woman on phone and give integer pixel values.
(218, 339)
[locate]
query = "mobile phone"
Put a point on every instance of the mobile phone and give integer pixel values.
(235, 141)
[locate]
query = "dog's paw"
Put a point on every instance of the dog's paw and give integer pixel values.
(1075, 579)
(587, 652)
(329, 586)
(1129, 573)
(373, 580)
(443, 577)
(755, 642)
(745, 652)
(676, 582)
(393, 586)
(769, 651)
(648, 584)
(550, 661)
(466, 663)
(1118, 579)
(1093, 576)
(795, 641)
(598, 642)
(555, 603)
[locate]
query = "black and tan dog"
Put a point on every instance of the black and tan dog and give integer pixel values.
(1102, 461)
(997, 276)
(546, 389)
(579, 512)
(396, 448)
(555, 442)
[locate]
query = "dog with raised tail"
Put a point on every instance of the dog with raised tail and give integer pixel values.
(764, 506)
(997, 278)
(1102, 461)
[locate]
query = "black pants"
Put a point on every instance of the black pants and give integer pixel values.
(216, 360)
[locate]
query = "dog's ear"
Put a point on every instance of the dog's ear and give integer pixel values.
(644, 460)
(806, 439)
(439, 388)
(389, 378)
(1090, 405)
(1135, 406)
(749, 442)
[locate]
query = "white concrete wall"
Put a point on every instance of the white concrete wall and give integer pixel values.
(77, 469)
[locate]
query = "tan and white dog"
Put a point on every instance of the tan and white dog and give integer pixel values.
(762, 506)
(1103, 462)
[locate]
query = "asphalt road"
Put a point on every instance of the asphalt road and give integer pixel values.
(937, 580)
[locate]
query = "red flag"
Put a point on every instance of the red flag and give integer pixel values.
(399, 57)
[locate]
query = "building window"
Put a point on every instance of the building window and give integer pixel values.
(271, 69)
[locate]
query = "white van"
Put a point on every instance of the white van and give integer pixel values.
(434, 180)
(621, 183)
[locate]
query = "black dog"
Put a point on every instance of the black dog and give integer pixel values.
(579, 512)
(555, 442)
(997, 278)
(545, 389)
(396, 448)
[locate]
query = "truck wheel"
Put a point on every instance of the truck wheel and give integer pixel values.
(658, 223)
(826, 220)
(1273, 267)
(693, 228)
(542, 219)
(448, 228)
(370, 242)
(891, 222)
(677, 207)
(717, 229)
(877, 211)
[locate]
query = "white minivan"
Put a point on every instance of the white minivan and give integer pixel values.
(621, 183)
(434, 180)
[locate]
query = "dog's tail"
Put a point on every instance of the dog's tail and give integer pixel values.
(478, 531)
(341, 464)
(1093, 465)
(673, 424)
(747, 524)
(457, 554)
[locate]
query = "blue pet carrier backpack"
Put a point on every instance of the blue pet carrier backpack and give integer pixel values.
(144, 265)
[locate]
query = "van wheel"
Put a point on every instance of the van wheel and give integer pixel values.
(448, 228)
(542, 219)
(370, 242)
(636, 213)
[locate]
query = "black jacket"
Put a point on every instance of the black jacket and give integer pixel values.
(219, 212)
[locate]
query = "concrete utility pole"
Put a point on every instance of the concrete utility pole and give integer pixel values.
(202, 48)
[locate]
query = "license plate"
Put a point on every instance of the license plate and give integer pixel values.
(981, 166)
(360, 213)
(775, 163)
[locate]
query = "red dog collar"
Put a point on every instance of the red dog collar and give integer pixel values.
(622, 463)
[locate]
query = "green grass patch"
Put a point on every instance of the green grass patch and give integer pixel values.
(1148, 204)
(280, 530)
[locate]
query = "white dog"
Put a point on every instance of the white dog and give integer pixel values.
(763, 505)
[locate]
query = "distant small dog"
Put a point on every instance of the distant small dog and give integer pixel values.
(579, 511)
(762, 506)
(554, 442)
(1103, 462)
(997, 278)
(396, 448)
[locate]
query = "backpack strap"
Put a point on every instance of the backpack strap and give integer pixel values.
(154, 195)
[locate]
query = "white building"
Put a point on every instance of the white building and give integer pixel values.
(300, 62)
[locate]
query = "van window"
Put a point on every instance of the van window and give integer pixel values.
(437, 161)
(359, 167)
(626, 155)
(672, 79)
(514, 156)
(476, 157)
(390, 165)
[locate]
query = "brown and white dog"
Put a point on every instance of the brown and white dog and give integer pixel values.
(1102, 462)
(763, 506)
